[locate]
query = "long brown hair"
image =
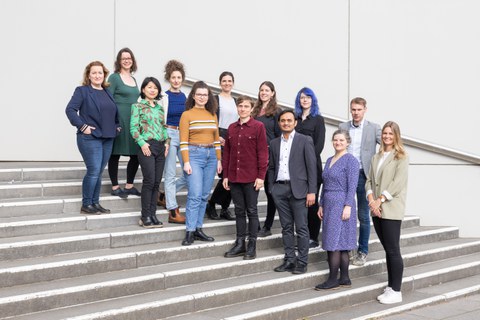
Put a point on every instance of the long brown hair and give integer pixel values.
(118, 61)
(272, 105)
(397, 140)
(211, 105)
(86, 81)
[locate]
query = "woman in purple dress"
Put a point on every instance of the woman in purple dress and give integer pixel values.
(338, 211)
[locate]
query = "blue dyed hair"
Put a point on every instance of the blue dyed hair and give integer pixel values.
(314, 110)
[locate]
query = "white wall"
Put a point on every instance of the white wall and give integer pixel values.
(415, 61)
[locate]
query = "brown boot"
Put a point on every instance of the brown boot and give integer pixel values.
(174, 216)
(161, 201)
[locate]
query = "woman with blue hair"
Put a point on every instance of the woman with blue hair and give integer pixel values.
(311, 123)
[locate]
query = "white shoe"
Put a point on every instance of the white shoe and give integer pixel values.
(385, 293)
(392, 297)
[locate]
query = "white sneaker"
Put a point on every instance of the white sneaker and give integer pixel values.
(392, 297)
(386, 291)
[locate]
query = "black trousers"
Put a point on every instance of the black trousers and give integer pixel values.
(152, 170)
(132, 168)
(245, 198)
(388, 232)
(220, 195)
(271, 208)
(314, 221)
(293, 217)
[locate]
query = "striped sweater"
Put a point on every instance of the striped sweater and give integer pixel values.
(198, 126)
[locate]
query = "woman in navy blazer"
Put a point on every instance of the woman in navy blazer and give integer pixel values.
(94, 112)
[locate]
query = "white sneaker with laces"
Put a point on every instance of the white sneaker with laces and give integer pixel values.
(386, 291)
(392, 297)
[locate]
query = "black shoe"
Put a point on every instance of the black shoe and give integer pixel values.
(157, 223)
(286, 266)
(328, 285)
(264, 233)
(132, 191)
(211, 212)
(237, 250)
(312, 244)
(299, 269)
(189, 238)
(251, 250)
(100, 208)
(119, 193)
(345, 283)
(161, 201)
(90, 209)
(200, 235)
(146, 222)
(226, 214)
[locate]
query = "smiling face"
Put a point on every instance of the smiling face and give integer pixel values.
(126, 61)
(388, 138)
(176, 80)
(150, 91)
(226, 83)
(305, 101)
(244, 109)
(201, 97)
(340, 143)
(96, 76)
(265, 93)
(287, 122)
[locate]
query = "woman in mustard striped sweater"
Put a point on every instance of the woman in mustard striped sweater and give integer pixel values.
(200, 147)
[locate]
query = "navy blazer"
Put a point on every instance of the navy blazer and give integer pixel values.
(84, 108)
(302, 165)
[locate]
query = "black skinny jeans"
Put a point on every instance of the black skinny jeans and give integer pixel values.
(245, 198)
(132, 168)
(152, 170)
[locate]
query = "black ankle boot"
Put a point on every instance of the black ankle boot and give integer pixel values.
(189, 237)
(237, 250)
(200, 235)
(251, 250)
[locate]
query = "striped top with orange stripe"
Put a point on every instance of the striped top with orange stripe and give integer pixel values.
(198, 126)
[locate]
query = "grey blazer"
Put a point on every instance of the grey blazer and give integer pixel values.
(371, 136)
(302, 165)
(391, 180)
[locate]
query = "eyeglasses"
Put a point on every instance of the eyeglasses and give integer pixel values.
(126, 59)
(305, 98)
(201, 95)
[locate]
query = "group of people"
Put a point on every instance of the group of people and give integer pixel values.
(251, 145)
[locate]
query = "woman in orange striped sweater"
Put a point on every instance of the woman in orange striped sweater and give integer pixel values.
(200, 147)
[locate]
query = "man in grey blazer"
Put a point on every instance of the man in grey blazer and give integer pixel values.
(292, 178)
(365, 136)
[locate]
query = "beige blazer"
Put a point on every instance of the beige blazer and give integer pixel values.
(391, 181)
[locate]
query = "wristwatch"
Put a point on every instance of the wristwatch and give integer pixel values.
(382, 198)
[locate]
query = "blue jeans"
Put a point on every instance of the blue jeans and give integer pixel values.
(363, 213)
(95, 153)
(204, 165)
(172, 185)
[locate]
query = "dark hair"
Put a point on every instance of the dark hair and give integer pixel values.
(118, 62)
(345, 133)
(174, 65)
(86, 81)
(226, 73)
(211, 105)
(241, 99)
(359, 100)
(314, 110)
(284, 112)
(155, 82)
(272, 106)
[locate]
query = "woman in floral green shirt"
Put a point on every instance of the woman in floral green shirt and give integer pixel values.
(147, 127)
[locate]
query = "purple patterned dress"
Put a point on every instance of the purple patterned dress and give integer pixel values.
(339, 188)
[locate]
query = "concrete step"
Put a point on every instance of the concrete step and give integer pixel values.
(249, 289)
(85, 240)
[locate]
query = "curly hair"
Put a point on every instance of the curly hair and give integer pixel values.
(174, 65)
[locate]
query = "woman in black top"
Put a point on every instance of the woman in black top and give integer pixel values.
(311, 123)
(266, 110)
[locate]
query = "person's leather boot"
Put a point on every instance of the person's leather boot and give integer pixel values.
(189, 238)
(237, 250)
(251, 252)
(200, 235)
(156, 223)
(146, 222)
(211, 212)
(174, 216)
(161, 201)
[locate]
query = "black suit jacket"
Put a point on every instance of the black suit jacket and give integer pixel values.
(302, 165)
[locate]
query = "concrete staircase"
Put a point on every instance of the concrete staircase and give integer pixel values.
(58, 264)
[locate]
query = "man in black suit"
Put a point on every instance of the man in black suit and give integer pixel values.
(292, 175)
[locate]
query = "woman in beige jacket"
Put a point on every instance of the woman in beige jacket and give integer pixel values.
(386, 193)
